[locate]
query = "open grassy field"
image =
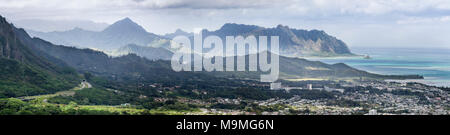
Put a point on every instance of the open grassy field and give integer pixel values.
(70, 92)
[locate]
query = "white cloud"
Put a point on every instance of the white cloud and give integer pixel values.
(342, 6)
(163, 16)
(424, 20)
(149, 4)
(368, 7)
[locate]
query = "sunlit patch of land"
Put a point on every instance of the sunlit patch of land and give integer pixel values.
(113, 109)
(70, 92)
(306, 79)
(317, 68)
(349, 79)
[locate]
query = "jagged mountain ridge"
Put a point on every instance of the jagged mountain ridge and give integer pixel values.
(132, 67)
(150, 53)
(178, 32)
(97, 62)
(293, 42)
(119, 34)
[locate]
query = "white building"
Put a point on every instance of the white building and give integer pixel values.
(373, 112)
(275, 86)
(309, 86)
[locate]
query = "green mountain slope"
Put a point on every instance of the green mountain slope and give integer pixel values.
(25, 73)
(298, 68)
(132, 68)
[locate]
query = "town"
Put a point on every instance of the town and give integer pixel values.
(336, 98)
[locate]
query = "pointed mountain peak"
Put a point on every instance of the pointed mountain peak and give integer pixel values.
(126, 19)
(125, 25)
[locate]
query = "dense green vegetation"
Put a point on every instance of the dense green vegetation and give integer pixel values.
(19, 79)
(213, 86)
(271, 108)
(313, 94)
(170, 105)
(346, 103)
(445, 88)
(25, 73)
(94, 96)
(12, 106)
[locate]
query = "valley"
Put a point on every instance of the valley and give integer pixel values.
(46, 77)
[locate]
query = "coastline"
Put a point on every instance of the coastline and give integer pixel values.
(421, 81)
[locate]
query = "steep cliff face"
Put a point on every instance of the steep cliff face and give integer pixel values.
(13, 47)
(293, 42)
(10, 47)
(23, 73)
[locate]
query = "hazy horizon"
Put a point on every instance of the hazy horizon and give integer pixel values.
(379, 23)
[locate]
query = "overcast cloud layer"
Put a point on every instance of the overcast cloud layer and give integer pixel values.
(383, 23)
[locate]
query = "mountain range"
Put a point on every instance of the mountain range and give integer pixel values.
(150, 53)
(293, 42)
(119, 34)
(59, 25)
(178, 32)
(31, 66)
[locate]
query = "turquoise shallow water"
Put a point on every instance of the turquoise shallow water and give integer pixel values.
(433, 64)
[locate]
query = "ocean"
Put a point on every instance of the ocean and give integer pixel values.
(433, 64)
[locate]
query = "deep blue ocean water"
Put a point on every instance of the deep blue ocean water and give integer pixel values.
(433, 64)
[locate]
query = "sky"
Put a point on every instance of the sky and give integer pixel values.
(359, 23)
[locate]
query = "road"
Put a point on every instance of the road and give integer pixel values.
(71, 92)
